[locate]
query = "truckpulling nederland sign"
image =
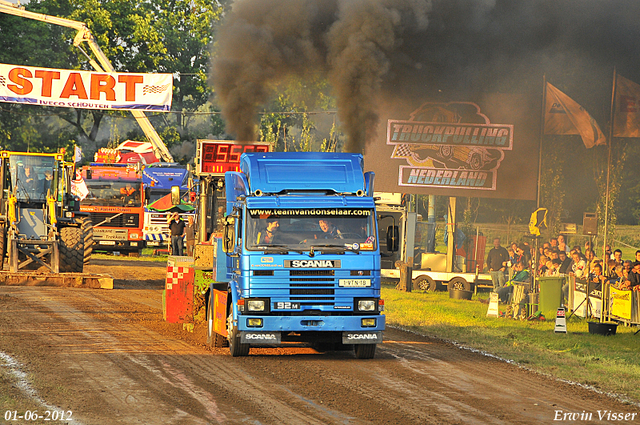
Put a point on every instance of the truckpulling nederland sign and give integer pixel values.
(85, 89)
(487, 148)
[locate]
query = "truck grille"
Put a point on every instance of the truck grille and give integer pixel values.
(307, 291)
(312, 287)
(122, 220)
(312, 273)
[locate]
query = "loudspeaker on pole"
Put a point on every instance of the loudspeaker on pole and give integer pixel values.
(590, 224)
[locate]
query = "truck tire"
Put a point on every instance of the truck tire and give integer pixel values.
(87, 231)
(459, 283)
(71, 250)
(425, 283)
(236, 348)
(365, 351)
(3, 244)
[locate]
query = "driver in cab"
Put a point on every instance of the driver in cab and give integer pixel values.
(268, 234)
(128, 192)
(329, 230)
(31, 181)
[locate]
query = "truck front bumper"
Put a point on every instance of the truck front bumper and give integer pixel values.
(350, 328)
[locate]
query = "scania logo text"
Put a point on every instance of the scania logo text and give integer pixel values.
(362, 336)
(261, 336)
(312, 263)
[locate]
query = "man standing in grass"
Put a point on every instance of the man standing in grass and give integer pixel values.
(497, 263)
(176, 227)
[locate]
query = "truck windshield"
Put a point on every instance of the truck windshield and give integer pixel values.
(155, 194)
(299, 229)
(31, 176)
(113, 193)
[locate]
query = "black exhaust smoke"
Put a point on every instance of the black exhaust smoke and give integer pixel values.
(261, 42)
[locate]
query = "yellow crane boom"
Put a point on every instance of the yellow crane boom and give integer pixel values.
(104, 65)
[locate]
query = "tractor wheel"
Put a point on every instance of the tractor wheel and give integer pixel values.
(87, 231)
(71, 250)
(236, 348)
(365, 351)
(3, 244)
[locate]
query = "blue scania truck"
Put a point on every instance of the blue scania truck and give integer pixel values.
(301, 256)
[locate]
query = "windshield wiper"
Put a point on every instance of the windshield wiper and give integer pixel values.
(338, 249)
(277, 249)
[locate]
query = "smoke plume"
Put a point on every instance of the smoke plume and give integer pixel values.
(390, 52)
(349, 41)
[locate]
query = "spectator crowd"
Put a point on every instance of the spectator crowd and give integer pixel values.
(517, 263)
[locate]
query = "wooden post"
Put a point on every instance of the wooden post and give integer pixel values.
(451, 230)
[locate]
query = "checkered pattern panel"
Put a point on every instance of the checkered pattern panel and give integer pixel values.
(402, 151)
(174, 275)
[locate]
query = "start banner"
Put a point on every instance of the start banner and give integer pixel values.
(85, 89)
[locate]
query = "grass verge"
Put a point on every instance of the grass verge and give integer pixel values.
(147, 255)
(608, 363)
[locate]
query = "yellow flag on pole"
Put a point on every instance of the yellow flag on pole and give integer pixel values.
(626, 118)
(564, 116)
(538, 221)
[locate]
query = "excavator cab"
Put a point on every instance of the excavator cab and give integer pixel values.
(39, 222)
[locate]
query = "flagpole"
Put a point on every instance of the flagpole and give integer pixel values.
(542, 109)
(606, 205)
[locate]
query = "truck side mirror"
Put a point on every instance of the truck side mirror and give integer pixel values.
(175, 195)
(393, 236)
(228, 241)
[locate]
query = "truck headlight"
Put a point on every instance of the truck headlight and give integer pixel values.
(255, 305)
(366, 305)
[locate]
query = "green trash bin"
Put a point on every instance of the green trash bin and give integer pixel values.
(550, 297)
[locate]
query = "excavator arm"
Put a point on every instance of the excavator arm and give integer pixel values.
(103, 65)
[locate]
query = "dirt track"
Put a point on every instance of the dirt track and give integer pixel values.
(109, 358)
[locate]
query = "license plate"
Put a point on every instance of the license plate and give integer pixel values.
(107, 242)
(285, 305)
(354, 283)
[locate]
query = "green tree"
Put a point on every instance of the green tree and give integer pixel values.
(136, 35)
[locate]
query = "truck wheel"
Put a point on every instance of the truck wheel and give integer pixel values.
(425, 283)
(459, 283)
(365, 351)
(3, 244)
(236, 348)
(71, 250)
(87, 231)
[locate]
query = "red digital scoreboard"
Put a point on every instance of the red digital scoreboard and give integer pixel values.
(219, 156)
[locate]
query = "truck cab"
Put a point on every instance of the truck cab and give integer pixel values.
(302, 253)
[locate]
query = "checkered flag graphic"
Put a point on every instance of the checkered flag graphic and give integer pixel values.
(174, 275)
(154, 89)
(402, 151)
(3, 81)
